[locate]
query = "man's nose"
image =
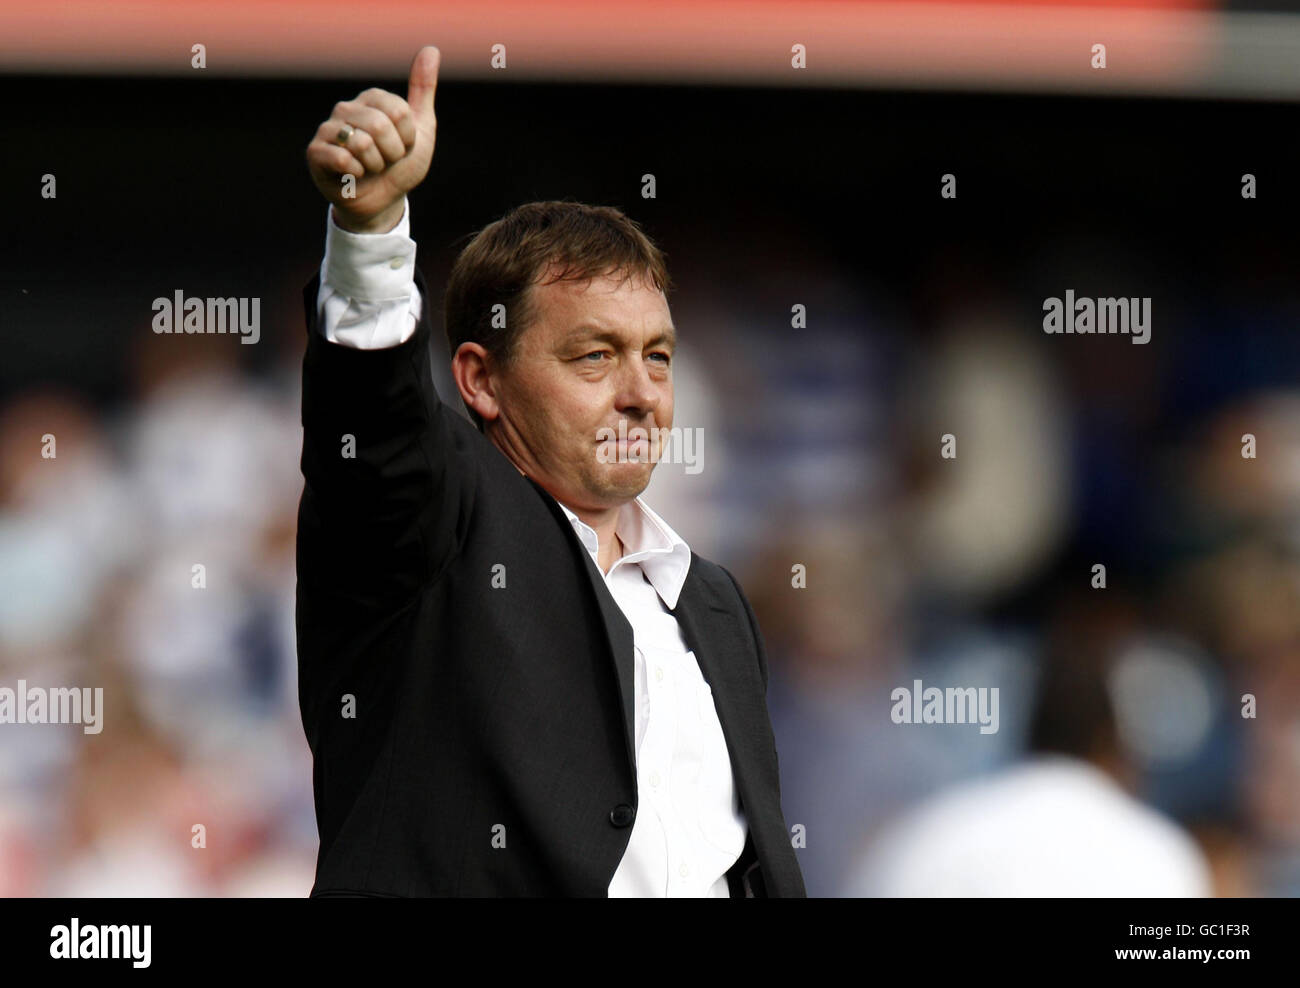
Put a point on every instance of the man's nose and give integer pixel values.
(636, 388)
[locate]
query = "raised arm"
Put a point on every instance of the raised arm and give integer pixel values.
(383, 490)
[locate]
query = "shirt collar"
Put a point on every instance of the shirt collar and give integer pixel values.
(662, 554)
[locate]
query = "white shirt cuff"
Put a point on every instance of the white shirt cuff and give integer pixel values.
(370, 267)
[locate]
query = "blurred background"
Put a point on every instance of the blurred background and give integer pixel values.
(1123, 763)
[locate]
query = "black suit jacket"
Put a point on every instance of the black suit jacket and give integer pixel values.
(472, 740)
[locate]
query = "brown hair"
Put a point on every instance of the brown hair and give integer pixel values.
(505, 258)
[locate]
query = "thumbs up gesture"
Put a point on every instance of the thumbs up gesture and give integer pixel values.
(385, 142)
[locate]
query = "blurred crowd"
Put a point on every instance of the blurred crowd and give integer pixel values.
(200, 781)
(821, 448)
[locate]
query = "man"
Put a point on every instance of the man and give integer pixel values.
(515, 678)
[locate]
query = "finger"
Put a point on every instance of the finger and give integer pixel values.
(374, 140)
(330, 157)
(396, 109)
(423, 83)
(358, 143)
(327, 137)
(376, 129)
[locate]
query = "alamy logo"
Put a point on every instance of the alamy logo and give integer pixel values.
(77, 942)
(212, 315)
(1101, 315)
(955, 705)
(639, 444)
(60, 705)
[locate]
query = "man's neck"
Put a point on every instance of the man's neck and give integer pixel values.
(605, 525)
(615, 555)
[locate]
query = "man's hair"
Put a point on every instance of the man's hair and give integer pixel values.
(571, 240)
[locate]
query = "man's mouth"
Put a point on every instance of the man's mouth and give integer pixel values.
(628, 448)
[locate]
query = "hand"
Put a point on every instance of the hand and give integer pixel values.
(389, 150)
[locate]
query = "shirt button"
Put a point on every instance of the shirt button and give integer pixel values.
(683, 870)
(654, 779)
(396, 263)
(659, 673)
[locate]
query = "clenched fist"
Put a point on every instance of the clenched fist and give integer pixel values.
(388, 150)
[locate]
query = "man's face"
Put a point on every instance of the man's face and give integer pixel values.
(596, 354)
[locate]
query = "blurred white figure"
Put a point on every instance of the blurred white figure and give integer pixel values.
(144, 861)
(1052, 826)
(207, 455)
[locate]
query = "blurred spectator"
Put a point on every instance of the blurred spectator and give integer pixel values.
(1063, 823)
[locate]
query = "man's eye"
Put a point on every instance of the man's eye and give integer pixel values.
(663, 356)
(594, 353)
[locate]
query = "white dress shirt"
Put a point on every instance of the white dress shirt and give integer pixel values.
(689, 828)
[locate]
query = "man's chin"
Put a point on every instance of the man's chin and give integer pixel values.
(624, 481)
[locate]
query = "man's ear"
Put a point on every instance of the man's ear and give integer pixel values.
(472, 368)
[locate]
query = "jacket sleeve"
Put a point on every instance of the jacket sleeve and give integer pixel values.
(386, 472)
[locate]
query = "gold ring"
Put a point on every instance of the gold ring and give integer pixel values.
(344, 133)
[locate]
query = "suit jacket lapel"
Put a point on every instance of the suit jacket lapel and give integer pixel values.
(724, 662)
(618, 630)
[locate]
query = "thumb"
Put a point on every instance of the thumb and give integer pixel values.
(424, 81)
